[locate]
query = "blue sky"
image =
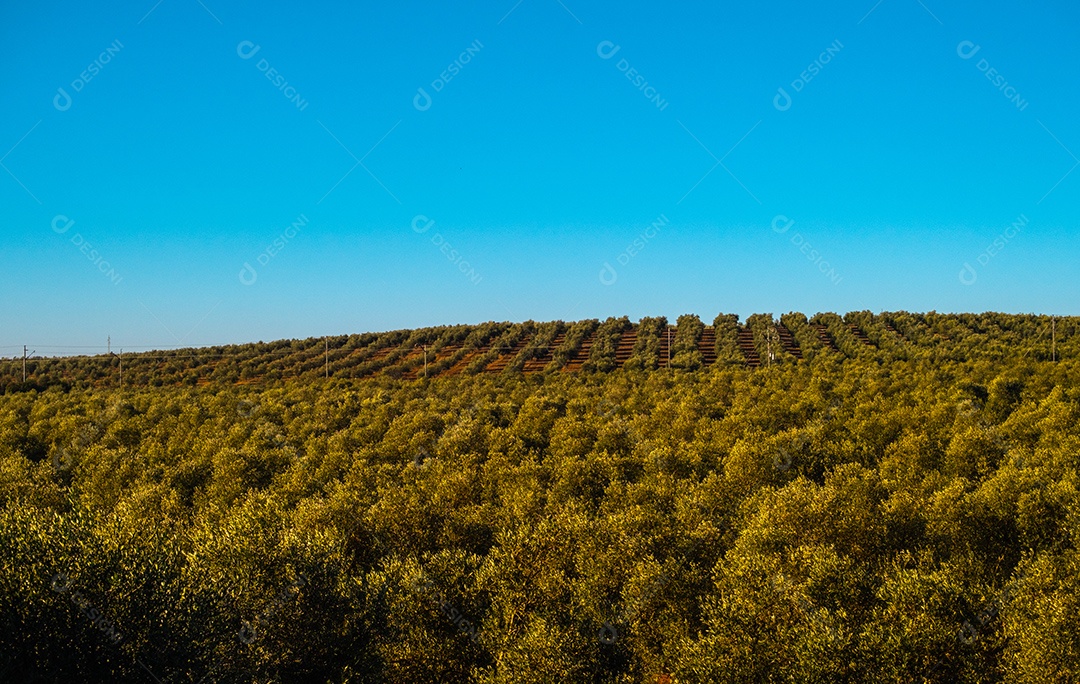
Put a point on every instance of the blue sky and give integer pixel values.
(152, 151)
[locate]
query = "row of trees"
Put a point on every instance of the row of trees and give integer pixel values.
(892, 335)
(831, 520)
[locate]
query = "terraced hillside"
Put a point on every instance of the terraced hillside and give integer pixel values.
(531, 348)
(886, 498)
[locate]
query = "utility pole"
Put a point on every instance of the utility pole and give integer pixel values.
(24, 355)
(108, 345)
(121, 357)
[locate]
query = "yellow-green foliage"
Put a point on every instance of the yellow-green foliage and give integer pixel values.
(881, 519)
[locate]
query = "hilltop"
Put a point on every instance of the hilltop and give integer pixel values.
(556, 346)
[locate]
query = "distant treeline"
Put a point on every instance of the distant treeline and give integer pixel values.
(894, 508)
(590, 345)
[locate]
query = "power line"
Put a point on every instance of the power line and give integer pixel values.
(24, 363)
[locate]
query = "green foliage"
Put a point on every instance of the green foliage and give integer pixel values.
(727, 340)
(503, 344)
(602, 353)
(539, 344)
(646, 353)
(806, 337)
(575, 336)
(905, 513)
(684, 351)
(845, 340)
(767, 339)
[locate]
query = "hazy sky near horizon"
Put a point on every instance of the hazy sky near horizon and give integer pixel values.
(198, 172)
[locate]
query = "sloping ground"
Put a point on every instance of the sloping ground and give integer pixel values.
(707, 345)
(746, 345)
(860, 335)
(459, 367)
(894, 331)
(578, 359)
(663, 354)
(787, 341)
(507, 355)
(543, 357)
(625, 350)
(451, 350)
(825, 337)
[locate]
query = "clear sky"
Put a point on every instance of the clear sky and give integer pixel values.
(154, 153)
